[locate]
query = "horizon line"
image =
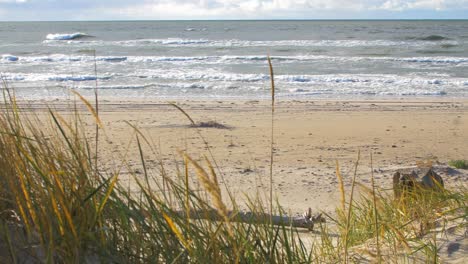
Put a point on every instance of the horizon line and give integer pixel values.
(239, 20)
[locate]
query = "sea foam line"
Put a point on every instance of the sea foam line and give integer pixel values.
(226, 59)
(180, 42)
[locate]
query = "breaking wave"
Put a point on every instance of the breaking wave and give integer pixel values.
(180, 42)
(8, 57)
(433, 38)
(228, 59)
(66, 36)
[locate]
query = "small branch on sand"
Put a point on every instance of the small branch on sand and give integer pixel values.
(305, 221)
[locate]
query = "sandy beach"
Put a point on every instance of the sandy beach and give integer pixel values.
(309, 138)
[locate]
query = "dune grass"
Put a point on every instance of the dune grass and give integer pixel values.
(57, 204)
(459, 164)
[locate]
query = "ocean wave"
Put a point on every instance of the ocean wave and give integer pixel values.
(352, 80)
(383, 91)
(117, 87)
(66, 36)
(65, 78)
(230, 77)
(206, 83)
(170, 59)
(182, 42)
(447, 60)
(356, 79)
(34, 77)
(327, 79)
(111, 59)
(230, 59)
(9, 57)
(448, 46)
(70, 58)
(195, 29)
(433, 38)
(168, 41)
(184, 86)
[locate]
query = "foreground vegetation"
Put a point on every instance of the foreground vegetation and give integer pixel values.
(57, 204)
(459, 164)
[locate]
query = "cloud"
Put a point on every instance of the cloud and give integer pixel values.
(180, 9)
(13, 1)
(399, 5)
(164, 9)
(217, 9)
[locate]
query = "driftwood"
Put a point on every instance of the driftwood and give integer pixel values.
(408, 182)
(305, 221)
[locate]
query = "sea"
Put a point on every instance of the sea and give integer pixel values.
(343, 59)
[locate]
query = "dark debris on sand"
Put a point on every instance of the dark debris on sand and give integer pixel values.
(210, 124)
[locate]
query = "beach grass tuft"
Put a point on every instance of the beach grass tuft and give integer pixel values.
(459, 164)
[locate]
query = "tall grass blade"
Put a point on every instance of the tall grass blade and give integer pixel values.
(183, 112)
(272, 136)
(96, 105)
(376, 216)
(341, 187)
(350, 209)
(108, 193)
(90, 108)
(176, 231)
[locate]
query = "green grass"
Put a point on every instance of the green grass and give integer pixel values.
(459, 164)
(57, 204)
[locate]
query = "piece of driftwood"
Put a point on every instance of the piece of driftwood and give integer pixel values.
(408, 182)
(307, 220)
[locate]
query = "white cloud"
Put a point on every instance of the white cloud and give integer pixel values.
(164, 9)
(257, 8)
(400, 5)
(13, 1)
(219, 9)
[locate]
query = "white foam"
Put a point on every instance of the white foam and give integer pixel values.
(181, 42)
(447, 60)
(302, 43)
(72, 58)
(34, 77)
(66, 36)
(64, 78)
(298, 90)
(117, 87)
(328, 79)
(13, 77)
(111, 59)
(238, 59)
(207, 76)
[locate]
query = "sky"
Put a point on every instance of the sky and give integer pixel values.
(50, 10)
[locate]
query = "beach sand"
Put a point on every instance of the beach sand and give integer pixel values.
(310, 137)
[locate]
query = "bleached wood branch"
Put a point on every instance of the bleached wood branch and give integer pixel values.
(305, 221)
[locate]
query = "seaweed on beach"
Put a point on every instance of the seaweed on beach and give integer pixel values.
(210, 124)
